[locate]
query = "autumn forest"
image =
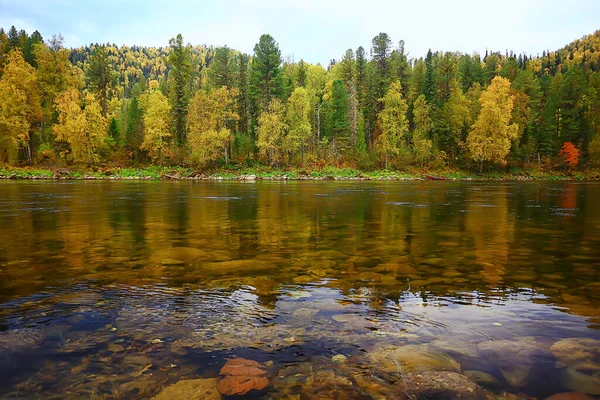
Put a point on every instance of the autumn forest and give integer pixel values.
(375, 108)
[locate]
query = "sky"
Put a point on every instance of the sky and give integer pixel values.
(313, 30)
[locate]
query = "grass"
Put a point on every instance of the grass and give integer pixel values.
(237, 171)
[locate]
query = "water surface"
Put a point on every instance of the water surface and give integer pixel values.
(117, 289)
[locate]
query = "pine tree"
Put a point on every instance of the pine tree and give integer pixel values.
(100, 75)
(221, 68)
(180, 76)
(265, 73)
(338, 124)
(301, 74)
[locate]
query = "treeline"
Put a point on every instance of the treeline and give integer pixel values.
(204, 106)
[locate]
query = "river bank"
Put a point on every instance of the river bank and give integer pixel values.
(267, 173)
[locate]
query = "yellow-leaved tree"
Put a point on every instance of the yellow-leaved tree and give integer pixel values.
(297, 119)
(491, 134)
(422, 145)
(271, 131)
(392, 121)
(156, 125)
(209, 116)
(55, 74)
(20, 110)
(80, 124)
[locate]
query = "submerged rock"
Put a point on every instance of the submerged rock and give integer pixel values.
(413, 358)
(240, 376)
(514, 359)
(239, 266)
(578, 353)
(570, 396)
(21, 339)
(442, 385)
(573, 380)
(191, 389)
(178, 255)
(482, 378)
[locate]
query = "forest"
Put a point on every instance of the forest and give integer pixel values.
(378, 108)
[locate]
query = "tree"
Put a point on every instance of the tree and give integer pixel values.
(209, 118)
(134, 126)
(297, 119)
(180, 75)
(422, 143)
(338, 123)
(594, 150)
(393, 122)
(55, 74)
(28, 54)
(156, 125)
(243, 100)
(381, 50)
(19, 106)
(347, 67)
(491, 135)
(301, 74)
(100, 76)
(430, 89)
(570, 154)
(265, 73)
(222, 69)
(271, 131)
(83, 128)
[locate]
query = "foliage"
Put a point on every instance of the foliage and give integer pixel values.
(570, 154)
(491, 135)
(393, 122)
(271, 131)
(156, 126)
(81, 125)
(20, 107)
(296, 118)
(210, 115)
(339, 118)
(180, 61)
(422, 144)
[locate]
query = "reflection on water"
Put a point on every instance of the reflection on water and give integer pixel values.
(339, 290)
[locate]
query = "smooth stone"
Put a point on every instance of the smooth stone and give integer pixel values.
(240, 376)
(578, 353)
(517, 375)
(415, 358)
(303, 279)
(191, 389)
(181, 254)
(573, 380)
(238, 266)
(457, 345)
(570, 396)
(482, 378)
(443, 385)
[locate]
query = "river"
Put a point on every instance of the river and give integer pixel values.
(354, 290)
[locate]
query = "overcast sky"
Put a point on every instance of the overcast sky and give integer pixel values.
(315, 30)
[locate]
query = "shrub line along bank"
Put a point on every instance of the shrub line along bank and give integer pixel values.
(274, 175)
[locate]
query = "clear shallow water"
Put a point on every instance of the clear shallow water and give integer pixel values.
(118, 289)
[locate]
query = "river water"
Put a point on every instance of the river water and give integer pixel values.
(353, 290)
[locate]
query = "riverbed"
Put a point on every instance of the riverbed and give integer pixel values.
(354, 290)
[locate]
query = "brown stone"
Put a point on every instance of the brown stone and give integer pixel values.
(570, 396)
(240, 376)
(192, 389)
